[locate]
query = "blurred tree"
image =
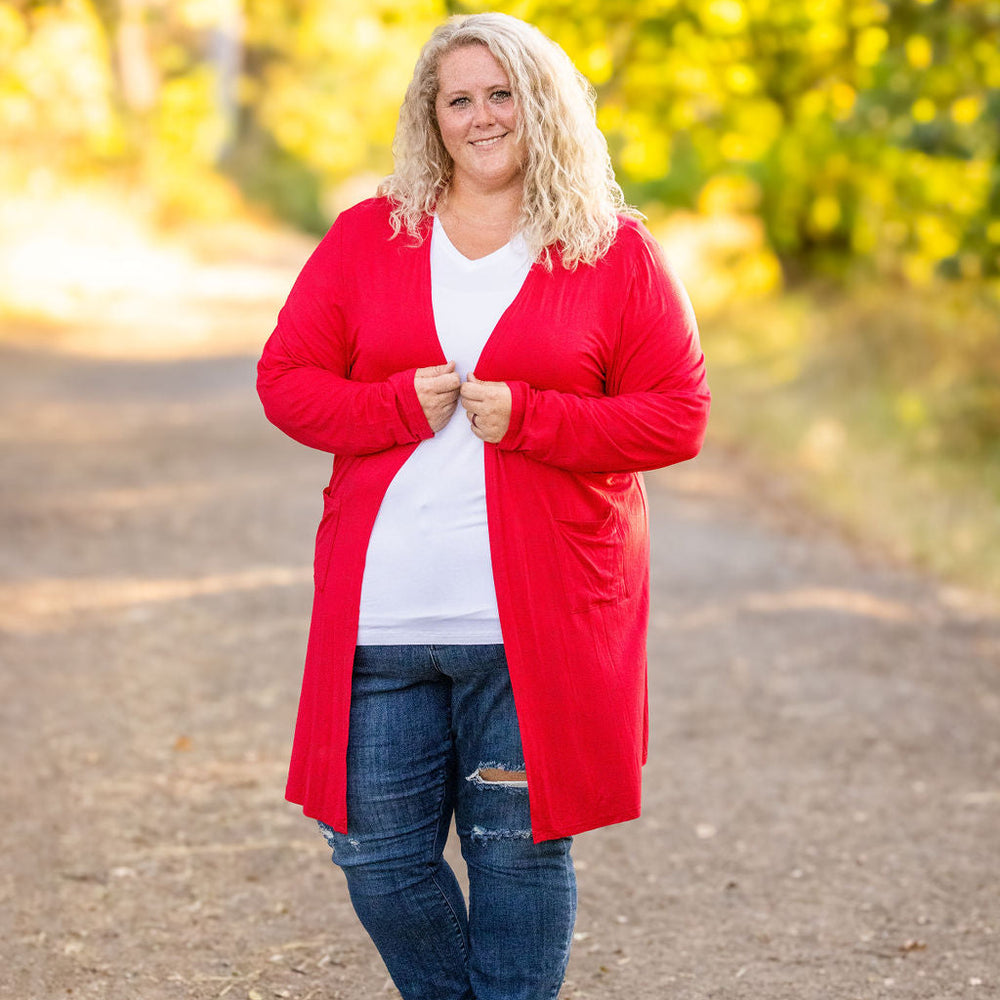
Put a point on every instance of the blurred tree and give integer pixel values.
(56, 88)
(321, 94)
(861, 132)
(225, 53)
(138, 74)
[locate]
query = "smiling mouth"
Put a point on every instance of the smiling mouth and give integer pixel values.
(491, 141)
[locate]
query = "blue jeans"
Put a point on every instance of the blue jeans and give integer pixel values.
(425, 722)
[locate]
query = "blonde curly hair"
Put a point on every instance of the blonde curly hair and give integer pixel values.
(571, 198)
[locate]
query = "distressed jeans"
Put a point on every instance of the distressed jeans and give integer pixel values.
(430, 727)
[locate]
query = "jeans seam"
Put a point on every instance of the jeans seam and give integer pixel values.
(432, 656)
(568, 947)
(456, 923)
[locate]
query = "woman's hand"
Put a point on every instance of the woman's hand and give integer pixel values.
(437, 391)
(487, 405)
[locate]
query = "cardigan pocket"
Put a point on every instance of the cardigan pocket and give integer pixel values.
(592, 561)
(325, 535)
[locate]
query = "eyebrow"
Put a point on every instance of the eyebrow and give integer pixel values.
(462, 90)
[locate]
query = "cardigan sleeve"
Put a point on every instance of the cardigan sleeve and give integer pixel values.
(303, 374)
(656, 407)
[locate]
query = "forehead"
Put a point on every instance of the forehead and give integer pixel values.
(470, 66)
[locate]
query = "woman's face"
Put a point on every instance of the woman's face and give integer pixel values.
(478, 117)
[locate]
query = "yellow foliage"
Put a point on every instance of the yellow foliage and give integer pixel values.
(823, 104)
(864, 235)
(871, 43)
(842, 99)
(838, 165)
(333, 104)
(758, 124)
(966, 110)
(956, 185)
(826, 36)
(824, 214)
(812, 104)
(938, 238)
(741, 79)
(729, 194)
(923, 110)
(598, 64)
(13, 31)
(723, 259)
(919, 51)
(56, 81)
(646, 157)
(610, 116)
(762, 273)
(761, 119)
(861, 13)
(724, 15)
(187, 128)
(736, 147)
(918, 269)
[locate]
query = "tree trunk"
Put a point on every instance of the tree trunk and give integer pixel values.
(225, 52)
(137, 72)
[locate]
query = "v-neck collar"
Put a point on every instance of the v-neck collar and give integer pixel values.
(427, 304)
(515, 249)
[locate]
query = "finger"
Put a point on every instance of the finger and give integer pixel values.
(485, 383)
(432, 370)
(473, 391)
(438, 416)
(448, 382)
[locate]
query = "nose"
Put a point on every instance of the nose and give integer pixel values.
(484, 115)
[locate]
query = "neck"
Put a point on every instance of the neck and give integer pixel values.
(495, 210)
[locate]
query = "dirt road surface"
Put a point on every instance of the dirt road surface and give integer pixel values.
(822, 803)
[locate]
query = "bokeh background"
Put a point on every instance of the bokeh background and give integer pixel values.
(820, 803)
(824, 174)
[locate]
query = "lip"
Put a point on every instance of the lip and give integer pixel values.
(488, 141)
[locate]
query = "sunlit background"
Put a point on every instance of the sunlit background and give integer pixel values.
(824, 175)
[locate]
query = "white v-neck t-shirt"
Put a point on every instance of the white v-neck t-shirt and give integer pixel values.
(428, 576)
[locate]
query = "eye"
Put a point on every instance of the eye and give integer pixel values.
(499, 96)
(458, 102)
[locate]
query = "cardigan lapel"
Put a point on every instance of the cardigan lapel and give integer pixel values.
(427, 302)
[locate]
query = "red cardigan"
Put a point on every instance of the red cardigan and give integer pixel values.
(608, 379)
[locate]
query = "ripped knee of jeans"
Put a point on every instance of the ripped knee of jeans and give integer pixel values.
(330, 836)
(494, 775)
(480, 835)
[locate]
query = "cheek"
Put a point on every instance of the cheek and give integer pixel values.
(450, 129)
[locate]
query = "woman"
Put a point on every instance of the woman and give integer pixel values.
(477, 647)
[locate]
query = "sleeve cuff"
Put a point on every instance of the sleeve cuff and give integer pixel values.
(410, 410)
(518, 407)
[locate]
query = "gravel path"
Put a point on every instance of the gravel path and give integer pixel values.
(822, 806)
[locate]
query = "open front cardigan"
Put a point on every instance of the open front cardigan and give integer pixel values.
(607, 377)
